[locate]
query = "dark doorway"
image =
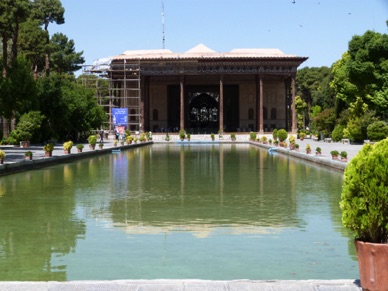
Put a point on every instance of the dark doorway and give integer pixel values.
(202, 108)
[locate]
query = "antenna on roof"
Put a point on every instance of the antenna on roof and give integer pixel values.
(163, 37)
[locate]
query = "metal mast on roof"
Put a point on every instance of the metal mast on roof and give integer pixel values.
(163, 36)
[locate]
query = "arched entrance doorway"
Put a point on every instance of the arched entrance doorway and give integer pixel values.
(204, 112)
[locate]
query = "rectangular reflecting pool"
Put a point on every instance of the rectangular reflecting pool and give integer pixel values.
(203, 211)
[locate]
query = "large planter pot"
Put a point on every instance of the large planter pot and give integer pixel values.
(92, 146)
(48, 154)
(372, 262)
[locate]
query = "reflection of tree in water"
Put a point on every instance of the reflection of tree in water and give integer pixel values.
(37, 225)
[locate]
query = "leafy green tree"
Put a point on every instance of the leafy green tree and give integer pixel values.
(69, 107)
(46, 12)
(325, 121)
(18, 91)
(64, 59)
(32, 43)
(301, 111)
(12, 13)
(310, 86)
(363, 72)
(28, 127)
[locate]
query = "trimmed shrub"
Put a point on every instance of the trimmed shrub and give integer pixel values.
(377, 130)
(338, 133)
(275, 134)
(282, 135)
(364, 199)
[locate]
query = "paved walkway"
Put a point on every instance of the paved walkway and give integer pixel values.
(14, 161)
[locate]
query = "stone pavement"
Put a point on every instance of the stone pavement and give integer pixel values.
(14, 161)
(185, 285)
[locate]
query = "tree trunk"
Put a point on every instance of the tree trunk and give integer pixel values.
(15, 41)
(47, 58)
(5, 55)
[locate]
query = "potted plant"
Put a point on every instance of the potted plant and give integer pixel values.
(344, 156)
(276, 142)
(79, 147)
(115, 143)
(167, 138)
(67, 146)
(212, 136)
(148, 136)
(101, 145)
(282, 136)
(188, 136)
(334, 154)
(2, 156)
(92, 140)
(48, 150)
(264, 139)
(24, 136)
(28, 155)
(252, 136)
(142, 137)
(308, 149)
(122, 143)
(129, 139)
(233, 136)
(318, 151)
(297, 147)
(364, 205)
(302, 135)
(182, 134)
(292, 139)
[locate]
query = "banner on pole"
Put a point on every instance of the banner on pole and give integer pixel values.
(120, 116)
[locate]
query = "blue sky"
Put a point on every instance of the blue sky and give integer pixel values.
(318, 29)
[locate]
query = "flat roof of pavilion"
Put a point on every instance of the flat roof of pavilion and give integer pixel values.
(203, 52)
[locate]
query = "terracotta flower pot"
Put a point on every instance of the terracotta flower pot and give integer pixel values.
(372, 262)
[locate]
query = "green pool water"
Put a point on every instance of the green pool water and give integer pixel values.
(175, 211)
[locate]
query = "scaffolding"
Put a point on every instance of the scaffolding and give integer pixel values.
(117, 85)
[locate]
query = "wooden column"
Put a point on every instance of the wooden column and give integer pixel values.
(221, 110)
(261, 130)
(293, 111)
(182, 102)
(257, 101)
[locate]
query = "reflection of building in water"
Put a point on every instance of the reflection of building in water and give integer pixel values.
(201, 188)
(200, 230)
(200, 90)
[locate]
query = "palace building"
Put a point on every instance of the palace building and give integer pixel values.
(200, 90)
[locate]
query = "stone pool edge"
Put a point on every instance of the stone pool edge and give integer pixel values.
(180, 285)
